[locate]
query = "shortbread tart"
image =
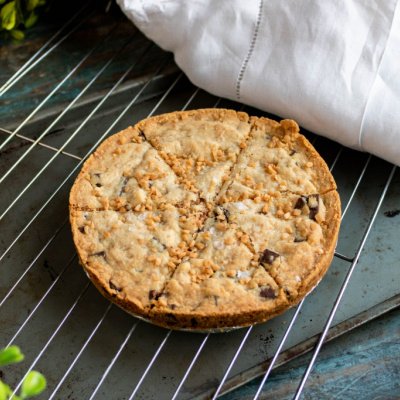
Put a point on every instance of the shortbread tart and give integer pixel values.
(205, 219)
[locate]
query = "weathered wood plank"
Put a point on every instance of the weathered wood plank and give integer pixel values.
(108, 34)
(363, 364)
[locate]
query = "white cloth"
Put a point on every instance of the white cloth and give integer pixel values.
(334, 66)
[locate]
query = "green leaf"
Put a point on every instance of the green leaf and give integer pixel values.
(31, 4)
(20, 14)
(31, 20)
(8, 16)
(10, 355)
(33, 384)
(5, 391)
(17, 34)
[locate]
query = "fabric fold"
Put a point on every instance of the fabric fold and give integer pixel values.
(329, 65)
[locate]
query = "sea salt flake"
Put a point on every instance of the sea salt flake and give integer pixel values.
(218, 245)
(243, 274)
(142, 216)
(241, 206)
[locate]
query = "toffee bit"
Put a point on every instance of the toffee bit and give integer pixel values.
(268, 257)
(313, 205)
(313, 200)
(268, 293)
(301, 202)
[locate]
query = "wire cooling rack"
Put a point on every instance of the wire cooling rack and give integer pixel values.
(53, 115)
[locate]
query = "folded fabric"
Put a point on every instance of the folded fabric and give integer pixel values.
(331, 65)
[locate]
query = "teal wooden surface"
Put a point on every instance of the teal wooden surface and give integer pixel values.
(94, 33)
(363, 364)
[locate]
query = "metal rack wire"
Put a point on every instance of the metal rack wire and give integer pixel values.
(62, 149)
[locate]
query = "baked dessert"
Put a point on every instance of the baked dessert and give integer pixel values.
(205, 219)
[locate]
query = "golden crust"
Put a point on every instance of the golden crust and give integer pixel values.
(289, 129)
(160, 313)
(331, 228)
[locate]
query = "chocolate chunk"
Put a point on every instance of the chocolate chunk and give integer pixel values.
(159, 244)
(268, 257)
(301, 202)
(298, 239)
(292, 152)
(154, 295)
(313, 205)
(226, 213)
(172, 306)
(222, 211)
(81, 229)
(113, 286)
(391, 213)
(268, 293)
(171, 319)
(141, 134)
(95, 179)
(216, 214)
(216, 300)
(313, 213)
(288, 294)
(100, 254)
(123, 186)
